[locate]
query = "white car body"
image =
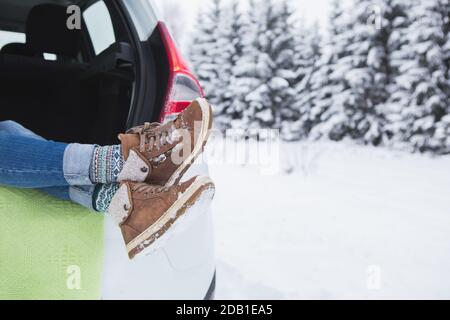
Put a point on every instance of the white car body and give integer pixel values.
(185, 268)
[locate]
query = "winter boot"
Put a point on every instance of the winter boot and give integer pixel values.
(161, 154)
(147, 214)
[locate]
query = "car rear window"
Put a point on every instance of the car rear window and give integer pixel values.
(7, 37)
(100, 26)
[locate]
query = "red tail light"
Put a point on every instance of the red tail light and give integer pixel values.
(183, 87)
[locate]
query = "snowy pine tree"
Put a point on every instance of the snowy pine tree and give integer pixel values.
(398, 55)
(421, 82)
(382, 77)
(205, 51)
(308, 81)
(325, 115)
(361, 72)
(441, 135)
(272, 52)
(285, 73)
(233, 31)
(246, 72)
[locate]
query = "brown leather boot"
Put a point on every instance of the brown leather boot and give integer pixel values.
(148, 214)
(161, 154)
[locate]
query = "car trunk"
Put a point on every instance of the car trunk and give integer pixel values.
(76, 94)
(69, 95)
(61, 101)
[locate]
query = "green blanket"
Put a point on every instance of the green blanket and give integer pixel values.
(49, 249)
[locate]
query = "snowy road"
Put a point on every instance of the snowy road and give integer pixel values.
(350, 222)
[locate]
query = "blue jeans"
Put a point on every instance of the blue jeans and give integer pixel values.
(29, 161)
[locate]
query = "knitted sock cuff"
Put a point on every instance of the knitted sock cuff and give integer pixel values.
(103, 195)
(106, 165)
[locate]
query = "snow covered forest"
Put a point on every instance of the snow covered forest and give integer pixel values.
(379, 76)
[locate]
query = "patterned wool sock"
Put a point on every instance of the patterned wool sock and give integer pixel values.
(106, 164)
(103, 195)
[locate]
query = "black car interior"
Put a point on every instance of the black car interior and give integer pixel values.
(77, 96)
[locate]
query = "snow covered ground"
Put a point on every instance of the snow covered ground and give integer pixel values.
(348, 222)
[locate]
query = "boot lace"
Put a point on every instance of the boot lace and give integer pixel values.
(151, 138)
(148, 189)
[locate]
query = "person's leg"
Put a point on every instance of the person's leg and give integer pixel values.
(96, 197)
(27, 162)
(15, 128)
(79, 164)
(55, 168)
(144, 211)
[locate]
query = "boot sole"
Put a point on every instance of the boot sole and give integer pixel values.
(157, 234)
(201, 142)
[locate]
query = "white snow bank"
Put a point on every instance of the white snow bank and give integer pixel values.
(349, 222)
